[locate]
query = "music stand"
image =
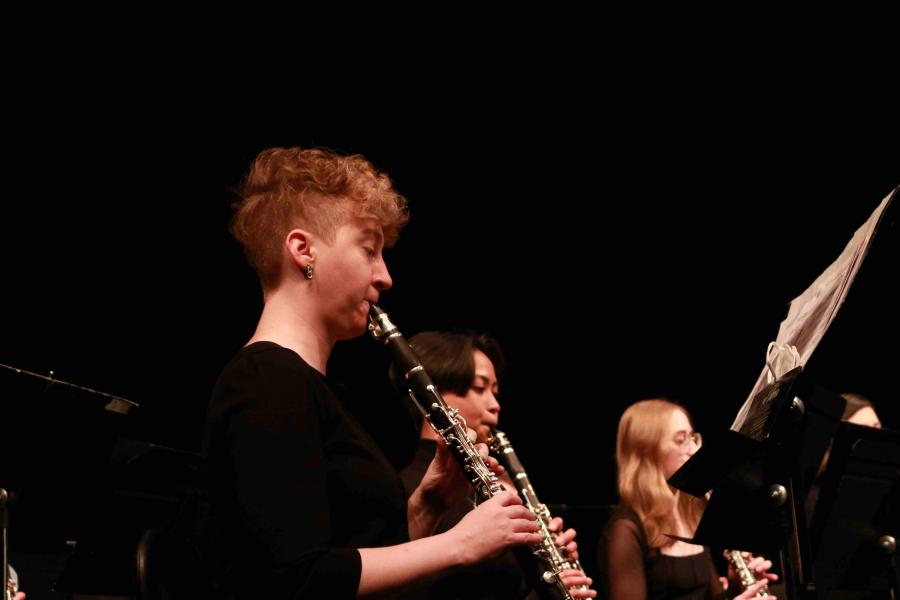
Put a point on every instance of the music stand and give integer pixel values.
(760, 476)
(856, 522)
(762, 471)
(77, 477)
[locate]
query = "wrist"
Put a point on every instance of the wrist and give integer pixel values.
(457, 551)
(422, 514)
(430, 497)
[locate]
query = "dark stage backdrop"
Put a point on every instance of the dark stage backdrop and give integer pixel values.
(613, 262)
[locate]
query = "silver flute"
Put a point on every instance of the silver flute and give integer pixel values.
(450, 425)
(503, 450)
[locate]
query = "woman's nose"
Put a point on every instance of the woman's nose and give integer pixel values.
(493, 405)
(381, 278)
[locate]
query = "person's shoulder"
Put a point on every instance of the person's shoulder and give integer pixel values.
(268, 375)
(269, 352)
(624, 520)
(268, 358)
(623, 540)
(623, 511)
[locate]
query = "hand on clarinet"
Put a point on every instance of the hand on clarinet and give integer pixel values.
(444, 483)
(493, 527)
(759, 566)
(564, 539)
(572, 578)
(751, 592)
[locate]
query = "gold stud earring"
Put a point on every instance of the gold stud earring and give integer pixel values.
(309, 271)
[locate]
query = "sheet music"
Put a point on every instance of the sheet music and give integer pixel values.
(812, 312)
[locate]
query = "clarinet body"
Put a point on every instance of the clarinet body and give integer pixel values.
(503, 450)
(449, 424)
(10, 582)
(744, 573)
(12, 588)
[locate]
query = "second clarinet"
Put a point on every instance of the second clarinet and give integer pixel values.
(449, 424)
(504, 452)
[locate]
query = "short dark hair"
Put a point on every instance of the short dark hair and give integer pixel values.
(447, 357)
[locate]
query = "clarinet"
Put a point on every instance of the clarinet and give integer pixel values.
(744, 573)
(12, 588)
(503, 450)
(450, 425)
(9, 581)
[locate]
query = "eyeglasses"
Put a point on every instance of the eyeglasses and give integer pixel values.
(683, 440)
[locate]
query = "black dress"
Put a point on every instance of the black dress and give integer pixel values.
(630, 570)
(296, 484)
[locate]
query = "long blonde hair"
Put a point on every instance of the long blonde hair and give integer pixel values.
(640, 441)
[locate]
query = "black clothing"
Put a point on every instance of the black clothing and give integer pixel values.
(501, 578)
(297, 485)
(630, 570)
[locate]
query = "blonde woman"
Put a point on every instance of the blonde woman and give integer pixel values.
(637, 559)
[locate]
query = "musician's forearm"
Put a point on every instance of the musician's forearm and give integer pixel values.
(422, 515)
(405, 567)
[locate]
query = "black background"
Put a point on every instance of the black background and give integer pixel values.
(627, 203)
(616, 254)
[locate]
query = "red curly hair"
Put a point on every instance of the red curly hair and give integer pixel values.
(314, 189)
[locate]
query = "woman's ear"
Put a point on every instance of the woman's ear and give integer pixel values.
(299, 245)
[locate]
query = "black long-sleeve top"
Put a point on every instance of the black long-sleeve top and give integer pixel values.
(629, 569)
(296, 484)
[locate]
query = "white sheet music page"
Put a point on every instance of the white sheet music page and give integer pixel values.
(812, 312)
